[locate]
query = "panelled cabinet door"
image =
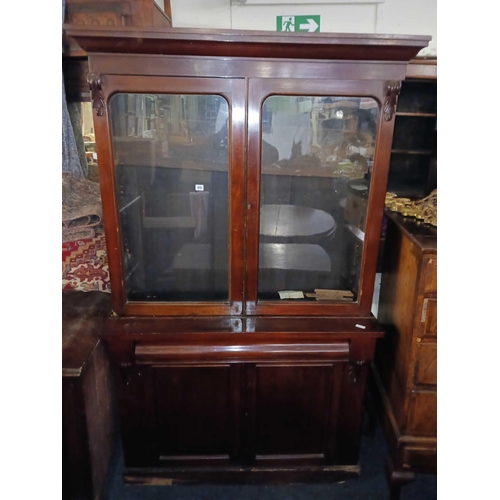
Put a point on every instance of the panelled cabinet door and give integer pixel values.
(198, 413)
(292, 412)
(241, 413)
(181, 415)
(312, 162)
(175, 150)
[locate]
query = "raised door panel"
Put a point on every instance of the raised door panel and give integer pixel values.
(197, 410)
(179, 415)
(137, 416)
(426, 364)
(293, 409)
(422, 415)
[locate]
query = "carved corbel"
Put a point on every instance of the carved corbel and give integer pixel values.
(392, 89)
(97, 96)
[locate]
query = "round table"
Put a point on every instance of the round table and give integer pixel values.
(295, 223)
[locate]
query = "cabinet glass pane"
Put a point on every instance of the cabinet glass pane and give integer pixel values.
(317, 156)
(171, 158)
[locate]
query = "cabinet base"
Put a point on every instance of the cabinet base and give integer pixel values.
(235, 475)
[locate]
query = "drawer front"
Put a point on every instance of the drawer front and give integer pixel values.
(422, 417)
(428, 318)
(430, 274)
(426, 364)
(233, 350)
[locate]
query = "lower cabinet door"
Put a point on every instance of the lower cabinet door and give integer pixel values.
(198, 413)
(181, 415)
(257, 414)
(292, 412)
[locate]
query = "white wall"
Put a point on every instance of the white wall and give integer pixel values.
(201, 13)
(161, 4)
(412, 17)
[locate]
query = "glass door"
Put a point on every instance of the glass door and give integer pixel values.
(173, 161)
(313, 153)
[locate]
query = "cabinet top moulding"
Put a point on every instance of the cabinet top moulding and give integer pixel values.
(237, 43)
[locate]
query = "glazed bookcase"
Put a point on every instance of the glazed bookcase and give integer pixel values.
(243, 177)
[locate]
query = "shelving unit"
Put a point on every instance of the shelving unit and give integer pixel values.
(413, 154)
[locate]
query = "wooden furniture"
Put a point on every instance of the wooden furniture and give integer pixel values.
(405, 368)
(220, 379)
(413, 166)
(115, 14)
(292, 222)
(87, 401)
(112, 13)
(413, 170)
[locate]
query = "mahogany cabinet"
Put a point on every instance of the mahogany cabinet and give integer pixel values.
(405, 368)
(241, 326)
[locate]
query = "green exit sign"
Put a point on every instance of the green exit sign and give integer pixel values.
(298, 23)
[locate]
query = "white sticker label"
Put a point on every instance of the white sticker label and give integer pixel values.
(360, 326)
(199, 187)
(94, 156)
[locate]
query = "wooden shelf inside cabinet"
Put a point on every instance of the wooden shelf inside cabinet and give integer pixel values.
(420, 115)
(411, 152)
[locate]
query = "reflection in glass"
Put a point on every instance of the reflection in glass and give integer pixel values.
(171, 157)
(317, 155)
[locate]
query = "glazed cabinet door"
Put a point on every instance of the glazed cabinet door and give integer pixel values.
(181, 415)
(316, 178)
(172, 178)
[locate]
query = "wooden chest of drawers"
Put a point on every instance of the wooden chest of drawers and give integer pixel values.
(405, 367)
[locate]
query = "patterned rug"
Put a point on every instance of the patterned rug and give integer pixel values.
(85, 264)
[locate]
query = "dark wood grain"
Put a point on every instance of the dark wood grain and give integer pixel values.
(113, 15)
(233, 43)
(195, 407)
(292, 408)
(242, 389)
(233, 67)
(292, 221)
(422, 68)
(153, 353)
(404, 376)
(87, 396)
